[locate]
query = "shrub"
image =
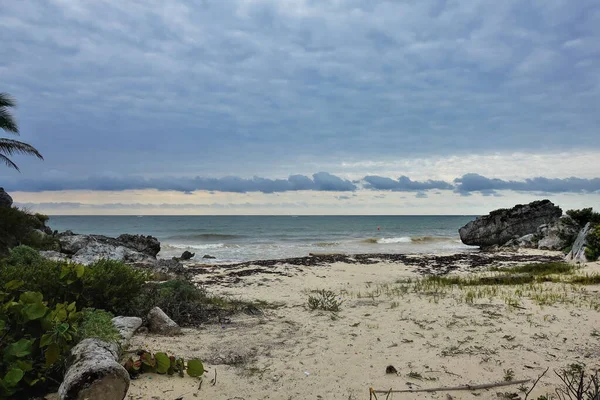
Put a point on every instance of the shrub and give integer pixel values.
(34, 343)
(324, 300)
(113, 286)
(17, 227)
(96, 324)
(584, 216)
(592, 251)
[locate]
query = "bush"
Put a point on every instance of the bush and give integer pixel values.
(96, 324)
(324, 300)
(17, 227)
(35, 341)
(584, 216)
(592, 251)
(113, 286)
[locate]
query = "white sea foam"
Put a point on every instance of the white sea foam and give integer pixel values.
(403, 239)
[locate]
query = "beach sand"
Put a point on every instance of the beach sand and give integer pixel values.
(432, 340)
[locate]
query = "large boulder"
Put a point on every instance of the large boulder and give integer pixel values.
(87, 249)
(159, 322)
(94, 373)
(577, 253)
(5, 199)
(144, 244)
(502, 225)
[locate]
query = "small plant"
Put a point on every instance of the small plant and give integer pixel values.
(577, 385)
(325, 300)
(509, 375)
(584, 216)
(161, 363)
(415, 375)
(96, 324)
(592, 250)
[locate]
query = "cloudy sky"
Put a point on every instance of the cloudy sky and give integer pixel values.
(303, 106)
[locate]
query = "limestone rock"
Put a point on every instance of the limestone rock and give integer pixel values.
(144, 244)
(54, 255)
(126, 326)
(577, 253)
(160, 323)
(94, 373)
(557, 235)
(5, 199)
(87, 249)
(209, 257)
(500, 226)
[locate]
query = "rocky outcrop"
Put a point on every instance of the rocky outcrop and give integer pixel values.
(557, 235)
(5, 199)
(87, 249)
(53, 255)
(577, 253)
(144, 244)
(94, 373)
(159, 322)
(500, 226)
(187, 255)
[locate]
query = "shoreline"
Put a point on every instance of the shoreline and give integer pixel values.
(291, 352)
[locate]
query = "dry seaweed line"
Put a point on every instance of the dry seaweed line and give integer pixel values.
(373, 392)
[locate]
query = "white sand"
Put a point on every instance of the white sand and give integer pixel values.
(294, 353)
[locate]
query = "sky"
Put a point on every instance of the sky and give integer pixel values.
(303, 106)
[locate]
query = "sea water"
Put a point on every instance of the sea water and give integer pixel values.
(244, 238)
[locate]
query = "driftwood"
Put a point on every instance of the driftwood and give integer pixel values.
(373, 392)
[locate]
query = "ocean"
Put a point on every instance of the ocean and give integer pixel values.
(244, 238)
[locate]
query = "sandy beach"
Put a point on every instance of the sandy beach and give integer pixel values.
(441, 338)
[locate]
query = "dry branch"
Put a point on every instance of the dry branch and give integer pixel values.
(451, 388)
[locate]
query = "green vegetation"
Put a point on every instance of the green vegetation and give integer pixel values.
(36, 337)
(592, 251)
(538, 269)
(96, 324)
(9, 147)
(325, 300)
(161, 363)
(584, 216)
(21, 227)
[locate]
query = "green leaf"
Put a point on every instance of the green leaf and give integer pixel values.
(26, 366)
(71, 307)
(31, 297)
(35, 311)
(62, 328)
(79, 270)
(14, 284)
(2, 324)
(195, 368)
(19, 349)
(65, 270)
(13, 377)
(46, 339)
(163, 363)
(52, 354)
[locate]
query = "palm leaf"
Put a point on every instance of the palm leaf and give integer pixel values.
(7, 121)
(6, 100)
(10, 147)
(8, 162)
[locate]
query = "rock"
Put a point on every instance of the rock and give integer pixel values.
(87, 249)
(159, 322)
(577, 253)
(94, 373)
(162, 269)
(186, 255)
(208, 256)
(557, 235)
(54, 255)
(144, 244)
(5, 199)
(126, 327)
(502, 225)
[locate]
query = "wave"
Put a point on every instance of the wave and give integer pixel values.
(205, 236)
(171, 246)
(407, 239)
(325, 244)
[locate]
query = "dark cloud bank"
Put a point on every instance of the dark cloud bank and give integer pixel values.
(322, 182)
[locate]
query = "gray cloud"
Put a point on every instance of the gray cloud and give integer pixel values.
(403, 184)
(477, 183)
(321, 181)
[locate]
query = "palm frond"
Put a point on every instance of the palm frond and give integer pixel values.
(6, 100)
(10, 147)
(8, 162)
(7, 121)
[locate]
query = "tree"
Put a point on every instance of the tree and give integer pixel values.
(9, 147)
